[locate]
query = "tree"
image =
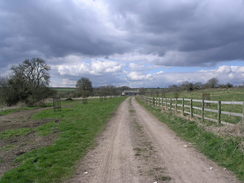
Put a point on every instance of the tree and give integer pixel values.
(3, 86)
(84, 87)
(34, 72)
(187, 86)
(29, 82)
(212, 83)
(197, 86)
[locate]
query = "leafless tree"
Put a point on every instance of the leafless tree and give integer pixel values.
(34, 72)
(29, 82)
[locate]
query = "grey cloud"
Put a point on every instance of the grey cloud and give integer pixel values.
(53, 29)
(206, 32)
(180, 33)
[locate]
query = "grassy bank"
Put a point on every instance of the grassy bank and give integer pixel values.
(78, 125)
(227, 152)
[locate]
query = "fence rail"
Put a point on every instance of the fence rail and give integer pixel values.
(173, 104)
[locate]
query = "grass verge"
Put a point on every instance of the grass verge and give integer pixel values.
(42, 130)
(9, 111)
(78, 127)
(15, 132)
(226, 152)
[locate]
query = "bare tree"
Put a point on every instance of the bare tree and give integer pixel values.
(34, 72)
(29, 82)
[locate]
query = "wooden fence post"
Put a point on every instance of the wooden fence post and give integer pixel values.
(203, 109)
(176, 105)
(166, 100)
(243, 113)
(183, 106)
(191, 108)
(242, 123)
(170, 104)
(219, 112)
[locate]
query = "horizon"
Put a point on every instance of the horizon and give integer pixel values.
(140, 44)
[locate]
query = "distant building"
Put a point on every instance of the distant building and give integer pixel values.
(130, 92)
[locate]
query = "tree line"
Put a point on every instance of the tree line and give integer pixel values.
(190, 86)
(29, 83)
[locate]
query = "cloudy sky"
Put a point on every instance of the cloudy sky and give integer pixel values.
(138, 43)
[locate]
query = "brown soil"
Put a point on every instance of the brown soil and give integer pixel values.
(136, 147)
(13, 147)
(21, 119)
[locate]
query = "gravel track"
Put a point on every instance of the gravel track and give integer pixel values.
(137, 147)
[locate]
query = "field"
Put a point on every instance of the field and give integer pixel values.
(230, 94)
(41, 145)
(60, 89)
(63, 91)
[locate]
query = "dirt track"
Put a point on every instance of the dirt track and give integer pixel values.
(136, 147)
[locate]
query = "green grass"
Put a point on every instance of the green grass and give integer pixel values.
(226, 152)
(63, 91)
(9, 111)
(60, 89)
(47, 129)
(15, 132)
(79, 126)
(42, 130)
(8, 147)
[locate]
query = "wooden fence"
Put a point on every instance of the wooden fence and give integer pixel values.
(179, 105)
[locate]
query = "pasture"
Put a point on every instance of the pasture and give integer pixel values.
(227, 94)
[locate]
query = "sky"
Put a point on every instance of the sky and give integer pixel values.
(137, 43)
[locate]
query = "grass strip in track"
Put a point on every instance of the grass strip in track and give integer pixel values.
(79, 125)
(226, 152)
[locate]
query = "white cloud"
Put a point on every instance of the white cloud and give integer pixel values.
(100, 67)
(225, 73)
(137, 76)
(111, 72)
(94, 68)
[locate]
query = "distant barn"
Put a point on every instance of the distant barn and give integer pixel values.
(130, 92)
